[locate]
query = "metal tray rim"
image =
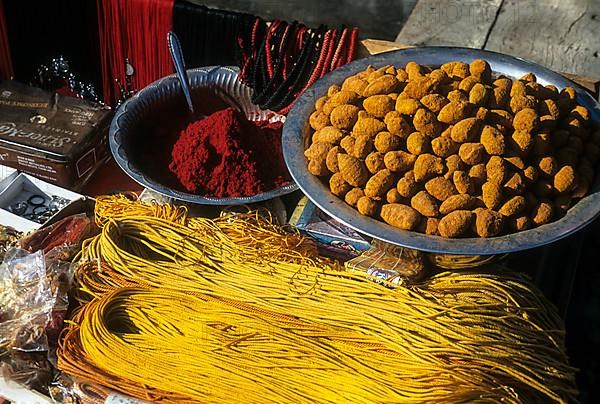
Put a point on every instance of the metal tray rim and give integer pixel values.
(585, 211)
(197, 77)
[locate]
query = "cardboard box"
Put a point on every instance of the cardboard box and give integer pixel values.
(57, 138)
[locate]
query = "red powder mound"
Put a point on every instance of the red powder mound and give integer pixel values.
(225, 155)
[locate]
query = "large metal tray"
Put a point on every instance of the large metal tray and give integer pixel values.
(296, 137)
(167, 92)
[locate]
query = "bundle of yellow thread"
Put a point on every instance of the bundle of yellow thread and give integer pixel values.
(238, 309)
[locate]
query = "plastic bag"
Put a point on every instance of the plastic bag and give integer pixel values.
(26, 302)
(67, 389)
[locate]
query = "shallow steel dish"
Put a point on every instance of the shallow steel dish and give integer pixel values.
(162, 101)
(296, 138)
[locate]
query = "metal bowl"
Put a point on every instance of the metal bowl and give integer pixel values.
(163, 101)
(296, 139)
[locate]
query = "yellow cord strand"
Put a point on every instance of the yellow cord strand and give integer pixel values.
(238, 309)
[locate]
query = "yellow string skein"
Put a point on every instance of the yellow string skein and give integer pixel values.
(453, 338)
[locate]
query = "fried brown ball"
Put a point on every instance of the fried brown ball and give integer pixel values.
(407, 186)
(331, 160)
(515, 184)
(526, 120)
(456, 202)
(426, 122)
(491, 195)
(443, 146)
(425, 204)
(519, 103)
(427, 166)
(482, 113)
(397, 125)
(347, 143)
(548, 166)
(353, 170)
(407, 106)
(565, 180)
(317, 158)
(368, 127)
(399, 161)
(542, 213)
(413, 70)
(355, 84)
(378, 105)
(455, 112)
(421, 86)
(367, 206)
(503, 82)
(375, 162)
(318, 120)
(519, 223)
(320, 102)
(462, 182)
(466, 130)
(496, 170)
(385, 142)
(549, 107)
(429, 226)
(515, 162)
(328, 134)
(353, 196)
(380, 183)
(401, 75)
(457, 96)
(500, 117)
(471, 153)
(344, 116)
(454, 163)
(492, 140)
(521, 142)
(400, 216)
(468, 83)
(455, 224)
(393, 196)
(478, 174)
(479, 95)
(488, 223)
(342, 97)
(440, 188)
(518, 89)
(530, 174)
(363, 146)
(481, 69)
(338, 186)
(513, 206)
(417, 143)
(383, 85)
(434, 102)
(498, 98)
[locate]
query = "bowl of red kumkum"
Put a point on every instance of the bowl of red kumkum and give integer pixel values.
(227, 157)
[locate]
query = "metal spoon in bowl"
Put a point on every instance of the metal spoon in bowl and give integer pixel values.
(177, 56)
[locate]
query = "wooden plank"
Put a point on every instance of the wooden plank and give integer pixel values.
(370, 47)
(559, 34)
(449, 22)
